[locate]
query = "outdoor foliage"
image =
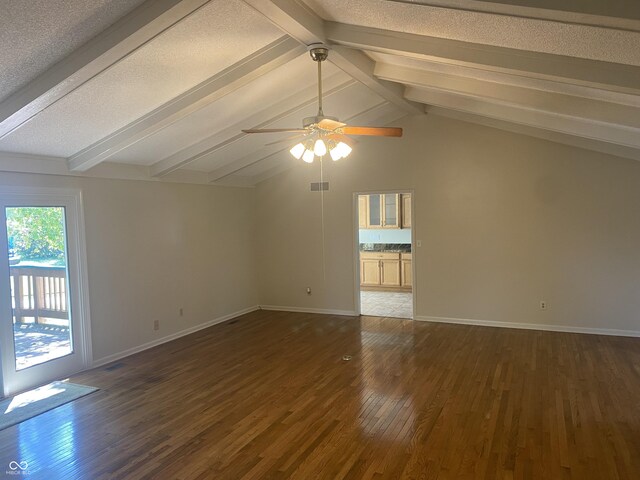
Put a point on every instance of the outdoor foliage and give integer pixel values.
(36, 232)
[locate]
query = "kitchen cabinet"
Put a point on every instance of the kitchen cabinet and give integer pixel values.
(406, 210)
(379, 210)
(363, 211)
(369, 270)
(405, 269)
(391, 210)
(383, 270)
(390, 272)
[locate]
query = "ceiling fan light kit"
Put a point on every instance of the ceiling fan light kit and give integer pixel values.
(322, 133)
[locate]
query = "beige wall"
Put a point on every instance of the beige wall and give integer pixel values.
(505, 221)
(155, 247)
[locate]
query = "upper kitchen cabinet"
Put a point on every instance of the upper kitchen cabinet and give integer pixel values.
(381, 211)
(391, 211)
(406, 210)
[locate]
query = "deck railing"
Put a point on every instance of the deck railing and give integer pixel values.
(39, 293)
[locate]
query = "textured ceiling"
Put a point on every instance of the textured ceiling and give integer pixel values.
(172, 101)
(216, 36)
(36, 34)
(235, 108)
(498, 30)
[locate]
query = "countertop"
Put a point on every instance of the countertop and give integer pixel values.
(386, 247)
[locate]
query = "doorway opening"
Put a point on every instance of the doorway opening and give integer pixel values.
(385, 254)
(43, 296)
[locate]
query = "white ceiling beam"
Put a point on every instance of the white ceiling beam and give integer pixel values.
(47, 165)
(569, 105)
(380, 114)
(260, 119)
(579, 16)
(300, 22)
(237, 75)
(526, 115)
(509, 79)
(557, 137)
(116, 42)
(594, 73)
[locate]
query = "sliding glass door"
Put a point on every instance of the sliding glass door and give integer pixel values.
(41, 276)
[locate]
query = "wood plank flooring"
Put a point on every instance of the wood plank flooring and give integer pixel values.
(268, 396)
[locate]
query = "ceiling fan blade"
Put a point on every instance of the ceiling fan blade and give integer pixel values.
(276, 130)
(290, 140)
(374, 131)
(328, 124)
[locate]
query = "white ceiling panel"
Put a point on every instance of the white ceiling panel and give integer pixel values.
(36, 34)
(343, 104)
(489, 29)
(216, 36)
(237, 107)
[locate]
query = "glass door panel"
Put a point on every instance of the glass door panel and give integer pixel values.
(375, 213)
(38, 280)
(390, 210)
(44, 329)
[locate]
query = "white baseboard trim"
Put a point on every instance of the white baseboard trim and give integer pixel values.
(531, 326)
(168, 338)
(324, 311)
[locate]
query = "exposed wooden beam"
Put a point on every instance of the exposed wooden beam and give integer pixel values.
(119, 40)
(260, 119)
(583, 13)
(460, 72)
(527, 115)
(562, 104)
(300, 22)
(241, 73)
(380, 114)
(605, 75)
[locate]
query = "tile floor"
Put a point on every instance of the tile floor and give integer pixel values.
(387, 304)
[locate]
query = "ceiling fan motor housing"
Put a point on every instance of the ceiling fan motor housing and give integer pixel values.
(315, 120)
(318, 51)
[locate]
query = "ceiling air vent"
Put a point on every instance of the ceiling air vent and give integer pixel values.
(317, 186)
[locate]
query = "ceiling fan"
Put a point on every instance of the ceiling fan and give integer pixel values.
(322, 134)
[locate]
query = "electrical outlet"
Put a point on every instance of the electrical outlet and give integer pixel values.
(181, 312)
(156, 324)
(543, 305)
(308, 290)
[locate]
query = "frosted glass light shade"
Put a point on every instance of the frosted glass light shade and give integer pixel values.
(344, 149)
(307, 156)
(297, 151)
(335, 154)
(320, 149)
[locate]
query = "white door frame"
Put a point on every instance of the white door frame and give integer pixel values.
(12, 381)
(356, 245)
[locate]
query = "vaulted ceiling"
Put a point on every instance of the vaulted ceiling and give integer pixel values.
(162, 89)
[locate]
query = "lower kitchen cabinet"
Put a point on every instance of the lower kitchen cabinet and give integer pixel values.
(405, 269)
(384, 270)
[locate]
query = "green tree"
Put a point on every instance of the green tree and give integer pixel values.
(36, 232)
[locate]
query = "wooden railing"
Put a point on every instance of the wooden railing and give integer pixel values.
(39, 292)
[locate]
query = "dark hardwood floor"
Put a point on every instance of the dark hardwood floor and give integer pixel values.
(268, 396)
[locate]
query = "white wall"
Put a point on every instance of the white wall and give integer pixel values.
(155, 247)
(385, 235)
(505, 221)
